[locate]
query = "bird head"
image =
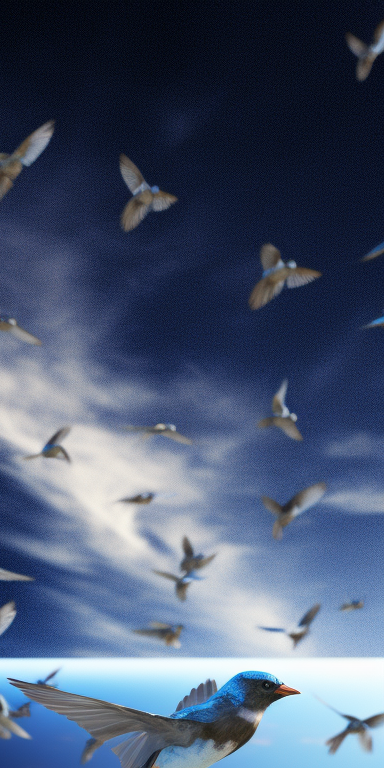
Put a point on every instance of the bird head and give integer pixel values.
(155, 189)
(293, 416)
(255, 691)
(291, 264)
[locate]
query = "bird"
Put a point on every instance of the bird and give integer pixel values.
(7, 614)
(168, 633)
(91, 745)
(181, 582)
(23, 711)
(374, 253)
(277, 273)
(366, 54)
(167, 430)
(375, 323)
(145, 198)
(49, 677)
(302, 629)
(30, 149)
(10, 576)
(192, 562)
(353, 605)
(7, 726)
(197, 734)
(298, 504)
(10, 325)
(52, 449)
(354, 726)
(140, 498)
(282, 417)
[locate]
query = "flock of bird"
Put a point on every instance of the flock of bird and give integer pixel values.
(153, 739)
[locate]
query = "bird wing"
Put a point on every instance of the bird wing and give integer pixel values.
(134, 212)
(269, 421)
(167, 575)
(335, 742)
(364, 66)
(272, 505)
(378, 322)
(374, 253)
(34, 145)
(181, 590)
(198, 695)
(205, 560)
(277, 530)
(347, 717)
(7, 614)
(279, 398)
(309, 616)
(273, 629)
(23, 711)
(160, 625)
(4, 734)
(10, 576)
(266, 290)
(162, 200)
(14, 727)
(176, 436)
(131, 174)
(5, 186)
(300, 276)
(379, 32)
(288, 426)
(104, 720)
(269, 256)
(187, 547)
(375, 720)
(307, 497)
(365, 740)
(23, 335)
(90, 747)
(51, 675)
(60, 435)
(355, 45)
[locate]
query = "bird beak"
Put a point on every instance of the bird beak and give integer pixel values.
(284, 690)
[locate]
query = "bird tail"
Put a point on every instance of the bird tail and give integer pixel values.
(335, 742)
(364, 55)
(277, 531)
(5, 185)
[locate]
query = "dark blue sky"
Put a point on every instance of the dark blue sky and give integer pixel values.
(251, 115)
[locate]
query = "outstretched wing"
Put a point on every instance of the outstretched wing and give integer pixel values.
(308, 497)
(167, 575)
(23, 335)
(176, 436)
(375, 720)
(134, 212)
(355, 45)
(335, 742)
(131, 175)
(270, 256)
(187, 547)
(198, 695)
(34, 145)
(288, 426)
(5, 185)
(60, 435)
(7, 614)
(279, 398)
(310, 615)
(162, 200)
(301, 276)
(365, 740)
(264, 291)
(10, 576)
(374, 253)
(272, 629)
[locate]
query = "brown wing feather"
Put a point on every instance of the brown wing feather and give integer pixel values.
(162, 200)
(130, 173)
(301, 276)
(5, 185)
(134, 212)
(364, 67)
(375, 720)
(269, 256)
(266, 290)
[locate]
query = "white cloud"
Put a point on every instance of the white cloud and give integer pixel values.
(357, 446)
(366, 500)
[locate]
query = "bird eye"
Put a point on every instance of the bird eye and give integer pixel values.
(267, 686)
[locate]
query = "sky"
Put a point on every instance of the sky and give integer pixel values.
(292, 730)
(252, 116)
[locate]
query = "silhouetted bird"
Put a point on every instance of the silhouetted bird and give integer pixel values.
(298, 504)
(145, 198)
(277, 273)
(12, 165)
(302, 629)
(192, 562)
(167, 430)
(10, 325)
(181, 582)
(366, 54)
(360, 727)
(282, 418)
(52, 449)
(167, 633)
(352, 606)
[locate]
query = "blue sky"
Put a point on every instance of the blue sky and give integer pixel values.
(255, 121)
(292, 730)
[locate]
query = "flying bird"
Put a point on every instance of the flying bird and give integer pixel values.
(353, 605)
(361, 727)
(145, 198)
(10, 576)
(277, 273)
(302, 629)
(30, 149)
(375, 323)
(181, 582)
(282, 417)
(167, 430)
(89, 750)
(192, 562)
(167, 633)
(296, 506)
(366, 54)
(374, 253)
(7, 614)
(140, 498)
(11, 325)
(52, 449)
(49, 677)
(198, 734)
(7, 726)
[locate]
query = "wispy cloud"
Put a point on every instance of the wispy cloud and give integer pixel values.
(367, 500)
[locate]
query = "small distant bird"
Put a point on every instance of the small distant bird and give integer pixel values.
(181, 582)
(277, 273)
(167, 430)
(374, 253)
(282, 418)
(194, 736)
(375, 323)
(11, 325)
(9, 576)
(52, 449)
(352, 606)
(354, 726)
(89, 750)
(145, 198)
(140, 498)
(7, 726)
(12, 165)
(366, 54)
(296, 506)
(7, 614)
(192, 562)
(168, 633)
(302, 629)
(49, 677)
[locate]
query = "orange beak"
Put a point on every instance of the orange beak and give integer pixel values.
(284, 690)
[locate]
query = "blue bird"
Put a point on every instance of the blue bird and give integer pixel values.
(206, 726)
(352, 605)
(52, 449)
